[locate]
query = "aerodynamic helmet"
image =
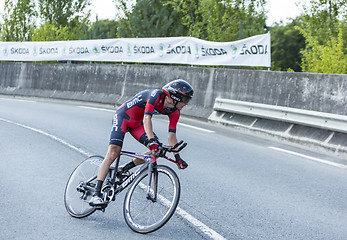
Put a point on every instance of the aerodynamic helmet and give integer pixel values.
(179, 90)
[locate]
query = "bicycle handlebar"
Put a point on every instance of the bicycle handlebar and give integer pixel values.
(163, 149)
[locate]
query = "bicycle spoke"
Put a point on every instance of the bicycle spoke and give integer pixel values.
(75, 205)
(145, 215)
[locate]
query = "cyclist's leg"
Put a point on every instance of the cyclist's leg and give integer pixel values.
(114, 149)
(119, 126)
(140, 135)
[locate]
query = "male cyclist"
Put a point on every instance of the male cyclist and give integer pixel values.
(135, 116)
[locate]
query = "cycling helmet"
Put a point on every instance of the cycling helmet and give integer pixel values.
(179, 90)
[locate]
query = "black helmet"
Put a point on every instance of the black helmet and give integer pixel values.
(179, 90)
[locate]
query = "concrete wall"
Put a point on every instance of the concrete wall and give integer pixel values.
(114, 83)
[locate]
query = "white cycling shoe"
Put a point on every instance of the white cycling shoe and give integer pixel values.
(96, 201)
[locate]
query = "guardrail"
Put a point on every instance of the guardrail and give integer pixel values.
(309, 118)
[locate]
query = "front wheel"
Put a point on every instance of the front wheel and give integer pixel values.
(145, 215)
(80, 187)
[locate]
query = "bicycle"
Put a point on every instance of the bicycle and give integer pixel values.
(150, 201)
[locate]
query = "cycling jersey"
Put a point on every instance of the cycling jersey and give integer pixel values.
(129, 116)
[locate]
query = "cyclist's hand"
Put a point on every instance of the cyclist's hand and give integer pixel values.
(153, 144)
(181, 164)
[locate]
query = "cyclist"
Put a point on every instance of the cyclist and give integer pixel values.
(135, 116)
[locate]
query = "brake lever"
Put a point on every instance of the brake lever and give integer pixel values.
(177, 144)
(183, 146)
(178, 150)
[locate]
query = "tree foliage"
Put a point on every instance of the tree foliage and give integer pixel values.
(50, 32)
(217, 20)
(19, 19)
(286, 44)
(324, 29)
(103, 29)
(64, 12)
(150, 18)
(323, 58)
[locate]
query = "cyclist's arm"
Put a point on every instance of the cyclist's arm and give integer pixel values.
(172, 139)
(173, 120)
(149, 109)
(147, 124)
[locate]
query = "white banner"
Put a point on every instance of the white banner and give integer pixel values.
(253, 51)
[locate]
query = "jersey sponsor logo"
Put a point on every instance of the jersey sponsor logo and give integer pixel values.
(154, 93)
(134, 101)
(115, 123)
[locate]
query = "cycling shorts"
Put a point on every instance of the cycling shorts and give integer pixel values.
(121, 125)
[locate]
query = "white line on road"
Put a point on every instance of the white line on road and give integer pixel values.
(48, 135)
(14, 99)
(311, 158)
(196, 128)
(183, 214)
(198, 224)
(100, 109)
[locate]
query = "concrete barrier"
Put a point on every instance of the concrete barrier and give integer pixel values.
(114, 83)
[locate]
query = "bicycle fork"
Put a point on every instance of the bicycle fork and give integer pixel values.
(152, 173)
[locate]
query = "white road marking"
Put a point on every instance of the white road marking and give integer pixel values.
(196, 128)
(14, 99)
(311, 158)
(198, 224)
(48, 135)
(100, 109)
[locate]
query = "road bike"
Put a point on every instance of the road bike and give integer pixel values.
(149, 202)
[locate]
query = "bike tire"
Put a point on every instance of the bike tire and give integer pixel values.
(141, 214)
(74, 204)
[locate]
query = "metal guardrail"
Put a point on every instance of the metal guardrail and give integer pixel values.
(315, 119)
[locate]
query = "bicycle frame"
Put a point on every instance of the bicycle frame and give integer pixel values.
(150, 164)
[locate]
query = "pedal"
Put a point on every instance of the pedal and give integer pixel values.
(99, 207)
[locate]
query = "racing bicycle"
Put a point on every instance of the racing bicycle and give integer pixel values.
(152, 196)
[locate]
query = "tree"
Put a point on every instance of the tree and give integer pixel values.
(62, 20)
(50, 32)
(286, 44)
(64, 12)
(323, 58)
(326, 42)
(19, 20)
(217, 20)
(150, 18)
(322, 18)
(104, 29)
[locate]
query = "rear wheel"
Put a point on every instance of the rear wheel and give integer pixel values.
(80, 187)
(145, 215)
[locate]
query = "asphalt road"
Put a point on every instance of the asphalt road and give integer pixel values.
(236, 187)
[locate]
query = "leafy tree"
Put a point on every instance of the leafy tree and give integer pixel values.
(322, 18)
(191, 15)
(323, 58)
(50, 32)
(104, 29)
(323, 27)
(286, 44)
(19, 19)
(217, 20)
(64, 12)
(150, 18)
(69, 18)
